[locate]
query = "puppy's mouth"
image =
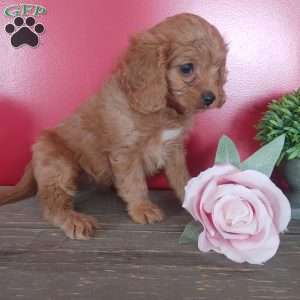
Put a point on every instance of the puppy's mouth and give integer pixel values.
(181, 110)
(216, 104)
(203, 107)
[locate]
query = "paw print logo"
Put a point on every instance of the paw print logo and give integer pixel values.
(24, 32)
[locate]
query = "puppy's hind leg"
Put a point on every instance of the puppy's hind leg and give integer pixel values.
(56, 173)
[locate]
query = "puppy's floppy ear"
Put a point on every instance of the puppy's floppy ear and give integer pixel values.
(143, 73)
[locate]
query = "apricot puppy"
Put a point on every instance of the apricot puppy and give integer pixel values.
(132, 128)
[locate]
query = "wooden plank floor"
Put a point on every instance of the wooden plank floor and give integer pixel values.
(129, 261)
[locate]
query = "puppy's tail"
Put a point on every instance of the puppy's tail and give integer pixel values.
(26, 187)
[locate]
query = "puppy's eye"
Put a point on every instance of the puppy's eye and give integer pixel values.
(186, 69)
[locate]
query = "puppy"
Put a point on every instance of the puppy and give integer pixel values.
(132, 128)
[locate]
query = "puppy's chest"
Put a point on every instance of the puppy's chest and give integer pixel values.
(158, 148)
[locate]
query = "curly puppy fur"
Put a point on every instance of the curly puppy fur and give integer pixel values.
(133, 127)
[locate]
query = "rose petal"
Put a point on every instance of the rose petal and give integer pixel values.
(205, 218)
(195, 188)
(263, 198)
(260, 212)
(252, 242)
(278, 201)
(219, 245)
(208, 196)
(221, 223)
(196, 185)
(203, 243)
(263, 252)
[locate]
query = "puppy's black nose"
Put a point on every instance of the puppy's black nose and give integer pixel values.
(208, 97)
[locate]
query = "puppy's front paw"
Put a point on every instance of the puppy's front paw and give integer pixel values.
(143, 212)
(79, 226)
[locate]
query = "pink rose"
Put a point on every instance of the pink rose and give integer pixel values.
(242, 213)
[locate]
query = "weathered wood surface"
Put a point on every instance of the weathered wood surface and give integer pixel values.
(129, 261)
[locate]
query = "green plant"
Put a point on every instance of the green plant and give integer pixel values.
(282, 117)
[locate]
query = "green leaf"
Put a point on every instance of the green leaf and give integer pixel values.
(293, 155)
(227, 152)
(264, 160)
(191, 233)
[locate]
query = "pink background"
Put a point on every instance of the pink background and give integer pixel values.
(83, 40)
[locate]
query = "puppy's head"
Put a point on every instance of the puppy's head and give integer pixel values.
(179, 63)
